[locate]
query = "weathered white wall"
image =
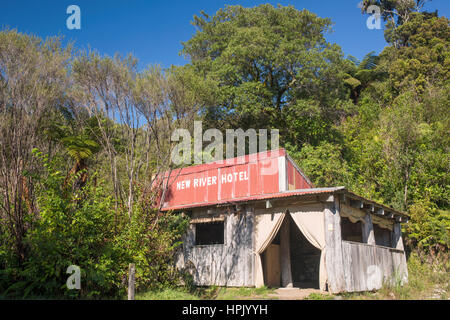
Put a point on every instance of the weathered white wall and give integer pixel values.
(355, 266)
(349, 266)
(367, 267)
(228, 264)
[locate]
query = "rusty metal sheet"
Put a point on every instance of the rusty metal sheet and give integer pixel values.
(251, 175)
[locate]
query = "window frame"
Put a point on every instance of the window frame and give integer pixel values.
(223, 238)
(356, 224)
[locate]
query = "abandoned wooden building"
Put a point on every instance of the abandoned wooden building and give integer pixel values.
(258, 220)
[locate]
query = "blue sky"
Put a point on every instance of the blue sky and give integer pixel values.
(153, 31)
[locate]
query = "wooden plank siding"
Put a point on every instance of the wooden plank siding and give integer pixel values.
(367, 267)
(354, 266)
(229, 264)
(333, 255)
(350, 266)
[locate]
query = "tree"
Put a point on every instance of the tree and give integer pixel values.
(324, 165)
(271, 68)
(397, 11)
(32, 84)
(423, 59)
(361, 73)
(105, 87)
(52, 211)
(397, 142)
(136, 113)
(80, 148)
(77, 137)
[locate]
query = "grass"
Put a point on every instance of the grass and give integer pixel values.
(244, 293)
(206, 293)
(167, 294)
(320, 296)
(425, 282)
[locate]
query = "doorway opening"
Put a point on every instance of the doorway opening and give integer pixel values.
(304, 259)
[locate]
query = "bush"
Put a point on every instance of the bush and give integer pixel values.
(79, 226)
(150, 240)
(428, 230)
(76, 227)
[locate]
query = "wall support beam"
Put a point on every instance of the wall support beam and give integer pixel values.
(333, 257)
(367, 230)
(397, 241)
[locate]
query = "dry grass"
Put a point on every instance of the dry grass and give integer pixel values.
(207, 293)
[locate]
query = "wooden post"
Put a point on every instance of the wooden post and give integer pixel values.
(397, 241)
(333, 257)
(286, 274)
(367, 232)
(131, 272)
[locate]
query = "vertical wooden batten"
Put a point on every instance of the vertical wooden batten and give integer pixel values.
(333, 257)
(397, 241)
(367, 232)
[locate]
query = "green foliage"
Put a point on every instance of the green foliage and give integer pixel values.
(324, 164)
(360, 74)
(424, 58)
(379, 126)
(271, 67)
(429, 226)
(75, 228)
(79, 227)
(395, 12)
(80, 147)
(149, 240)
(397, 143)
(425, 281)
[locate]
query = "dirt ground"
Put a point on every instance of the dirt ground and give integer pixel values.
(292, 293)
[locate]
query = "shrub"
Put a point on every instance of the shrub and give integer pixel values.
(75, 228)
(150, 240)
(79, 226)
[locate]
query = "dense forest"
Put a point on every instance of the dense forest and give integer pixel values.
(83, 136)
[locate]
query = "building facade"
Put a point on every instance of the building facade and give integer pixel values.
(258, 220)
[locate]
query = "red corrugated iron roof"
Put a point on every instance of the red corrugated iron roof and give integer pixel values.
(252, 188)
(286, 194)
(270, 154)
(254, 175)
(278, 195)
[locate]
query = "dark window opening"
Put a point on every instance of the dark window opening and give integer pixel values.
(351, 231)
(382, 236)
(209, 233)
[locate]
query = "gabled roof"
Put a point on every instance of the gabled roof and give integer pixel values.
(347, 196)
(278, 195)
(252, 175)
(263, 176)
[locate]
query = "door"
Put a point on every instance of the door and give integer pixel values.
(272, 265)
